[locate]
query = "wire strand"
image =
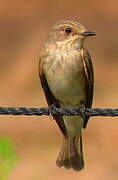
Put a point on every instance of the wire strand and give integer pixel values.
(58, 111)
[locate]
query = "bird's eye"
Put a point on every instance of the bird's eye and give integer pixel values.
(68, 30)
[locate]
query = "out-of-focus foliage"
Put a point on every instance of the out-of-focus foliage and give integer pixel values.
(8, 158)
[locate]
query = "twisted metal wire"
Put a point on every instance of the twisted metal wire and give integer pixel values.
(62, 111)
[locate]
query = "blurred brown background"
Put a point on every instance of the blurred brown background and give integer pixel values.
(23, 29)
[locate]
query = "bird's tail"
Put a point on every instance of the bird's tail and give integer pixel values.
(71, 154)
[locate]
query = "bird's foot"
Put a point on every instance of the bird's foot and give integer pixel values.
(83, 109)
(51, 108)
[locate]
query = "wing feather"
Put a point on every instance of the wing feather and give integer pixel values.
(89, 73)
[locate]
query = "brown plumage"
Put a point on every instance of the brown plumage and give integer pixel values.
(66, 75)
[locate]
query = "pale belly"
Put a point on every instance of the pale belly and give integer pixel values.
(67, 84)
(70, 93)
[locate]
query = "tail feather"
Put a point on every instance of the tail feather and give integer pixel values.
(62, 159)
(71, 154)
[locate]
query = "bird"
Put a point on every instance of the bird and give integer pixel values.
(67, 78)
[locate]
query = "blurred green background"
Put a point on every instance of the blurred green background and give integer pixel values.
(23, 29)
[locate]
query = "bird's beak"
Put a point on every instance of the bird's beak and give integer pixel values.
(88, 33)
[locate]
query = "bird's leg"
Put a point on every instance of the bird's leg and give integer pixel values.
(82, 108)
(53, 107)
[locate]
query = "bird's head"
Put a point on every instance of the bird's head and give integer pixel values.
(69, 33)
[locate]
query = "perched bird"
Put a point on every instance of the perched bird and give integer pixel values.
(66, 75)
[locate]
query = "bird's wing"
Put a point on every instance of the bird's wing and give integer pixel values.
(89, 74)
(50, 98)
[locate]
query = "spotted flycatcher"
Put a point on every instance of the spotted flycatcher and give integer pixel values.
(66, 75)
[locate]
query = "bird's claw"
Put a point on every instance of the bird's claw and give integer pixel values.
(51, 108)
(82, 109)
